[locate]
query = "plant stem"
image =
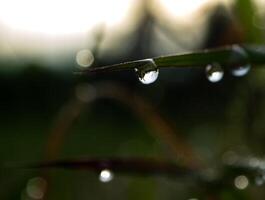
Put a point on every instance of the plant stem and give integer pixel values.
(225, 56)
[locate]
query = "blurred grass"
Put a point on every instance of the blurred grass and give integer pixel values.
(214, 118)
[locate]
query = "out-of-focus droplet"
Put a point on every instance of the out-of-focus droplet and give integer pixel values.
(84, 58)
(254, 162)
(85, 92)
(241, 182)
(239, 61)
(214, 72)
(259, 180)
(106, 175)
(36, 188)
(230, 157)
(148, 72)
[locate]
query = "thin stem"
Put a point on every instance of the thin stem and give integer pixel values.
(225, 56)
(122, 165)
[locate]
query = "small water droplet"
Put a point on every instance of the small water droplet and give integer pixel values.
(106, 175)
(241, 70)
(147, 72)
(214, 72)
(239, 61)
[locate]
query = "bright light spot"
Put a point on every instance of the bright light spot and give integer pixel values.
(106, 176)
(241, 70)
(214, 72)
(84, 58)
(149, 77)
(183, 8)
(188, 10)
(216, 77)
(60, 16)
(241, 182)
(36, 188)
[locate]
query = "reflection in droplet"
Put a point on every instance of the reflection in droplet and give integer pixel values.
(148, 72)
(106, 176)
(84, 58)
(149, 77)
(241, 70)
(214, 72)
(239, 61)
(241, 182)
(36, 187)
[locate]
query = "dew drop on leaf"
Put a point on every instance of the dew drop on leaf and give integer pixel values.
(240, 64)
(241, 70)
(147, 72)
(106, 175)
(214, 72)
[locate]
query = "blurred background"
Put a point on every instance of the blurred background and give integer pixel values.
(47, 112)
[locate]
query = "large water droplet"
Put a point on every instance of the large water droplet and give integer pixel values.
(106, 175)
(214, 72)
(147, 72)
(239, 61)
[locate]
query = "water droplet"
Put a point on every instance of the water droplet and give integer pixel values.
(147, 72)
(241, 182)
(241, 70)
(214, 72)
(239, 61)
(36, 188)
(106, 175)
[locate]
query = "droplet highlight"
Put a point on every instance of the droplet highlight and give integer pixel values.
(214, 72)
(239, 62)
(241, 70)
(148, 72)
(106, 175)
